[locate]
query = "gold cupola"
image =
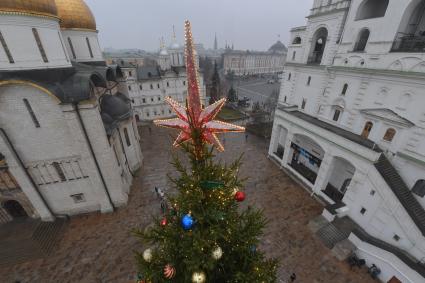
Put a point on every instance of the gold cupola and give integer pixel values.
(75, 14)
(45, 8)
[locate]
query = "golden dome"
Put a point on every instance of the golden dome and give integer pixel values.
(30, 7)
(75, 14)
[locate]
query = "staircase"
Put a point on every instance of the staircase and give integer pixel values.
(402, 192)
(28, 239)
(331, 235)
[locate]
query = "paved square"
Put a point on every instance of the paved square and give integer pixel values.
(99, 248)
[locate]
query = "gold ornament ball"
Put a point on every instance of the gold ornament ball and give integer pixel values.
(198, 277)
(147, 255)
(217, 253)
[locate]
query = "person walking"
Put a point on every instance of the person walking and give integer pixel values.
(246, 137)
(293, 277)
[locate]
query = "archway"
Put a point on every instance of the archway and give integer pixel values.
(318, 46)
(279, 143)
(305, 157)
(362, 40)
(370, 9)
(341, 174)
(15, 209)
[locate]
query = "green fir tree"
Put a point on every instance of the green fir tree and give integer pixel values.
(222, 244)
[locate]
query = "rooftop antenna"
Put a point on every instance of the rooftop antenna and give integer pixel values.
(174, 33)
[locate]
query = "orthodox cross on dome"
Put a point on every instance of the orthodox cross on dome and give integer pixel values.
(195, 122)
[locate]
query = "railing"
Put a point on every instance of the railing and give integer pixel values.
(315, 58)
(409, 43)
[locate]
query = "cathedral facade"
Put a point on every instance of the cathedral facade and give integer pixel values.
(350, 125)
(68, 140)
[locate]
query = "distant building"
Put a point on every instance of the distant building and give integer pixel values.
(350, 124)
(148, 86)
(68, 140)
(243, 63)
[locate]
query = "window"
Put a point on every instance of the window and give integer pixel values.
(151, 86)
(389, 135)
(168, 84)
(31, 112)
(144, 100)
(78, 198)
(147, 114)
(155, 113)
(159, 98)
(297, 40)
(284, 99)
(309, 80)
(151, 99)
(59, 171)
(293, 55)
(372, 192)
(344, 89)
(127, 138)
(158, 85)
(362, 40)
(363, 210)
(304, 102)
(396, 237)
(6, 49)
(184, 82)
(337, 114)
(129, 87)
(130, 73)
(40, 45)
(169, 111)
(419, 188)
(132, 101)
(369, 9)
(141, 87)
(289, 76)
(89, 46)
(72, 48)
(367, 129)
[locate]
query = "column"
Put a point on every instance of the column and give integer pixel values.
(286, 155)
(324, 173)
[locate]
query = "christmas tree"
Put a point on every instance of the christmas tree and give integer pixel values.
(204, 236)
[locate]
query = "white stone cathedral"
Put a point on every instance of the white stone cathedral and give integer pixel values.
(350, 125)
(68, 140)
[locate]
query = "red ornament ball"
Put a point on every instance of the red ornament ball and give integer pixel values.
(240, 196)
(169, 271)
(164, 222)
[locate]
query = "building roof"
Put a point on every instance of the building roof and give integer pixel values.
(148, 73)
(75, 14)
(278, 47)
(30, 7)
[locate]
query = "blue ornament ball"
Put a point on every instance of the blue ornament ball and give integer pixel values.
(187, 222)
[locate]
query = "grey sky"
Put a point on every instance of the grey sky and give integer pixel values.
(249, 24)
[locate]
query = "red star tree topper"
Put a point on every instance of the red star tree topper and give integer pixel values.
(194, 121)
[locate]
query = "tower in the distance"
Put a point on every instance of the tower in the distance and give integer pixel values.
(215, 42)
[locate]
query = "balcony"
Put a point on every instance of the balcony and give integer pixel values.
(409, 43)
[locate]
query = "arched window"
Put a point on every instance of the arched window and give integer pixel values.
(362, 40)
(369, 9)
(389, 134)
(297, 40)
(318, 46)
(71, 46)
(367, 129)
(6, 49)
(289, 76)
(89, 46)
(308, 80)
(337, 114)
(344, 89)
(293, 55)
(419, 188)
(127, 138)
(59, 171)
(40, 45)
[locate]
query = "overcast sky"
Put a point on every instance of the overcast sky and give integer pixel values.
(249, 24)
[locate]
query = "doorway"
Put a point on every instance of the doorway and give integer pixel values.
(15, 209)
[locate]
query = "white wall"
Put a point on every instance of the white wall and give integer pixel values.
(79, 42)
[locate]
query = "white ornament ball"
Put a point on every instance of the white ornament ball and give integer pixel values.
(217, 253)
(147, 255)
(198, 277)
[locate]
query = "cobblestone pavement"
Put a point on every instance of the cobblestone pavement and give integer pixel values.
(99, 248)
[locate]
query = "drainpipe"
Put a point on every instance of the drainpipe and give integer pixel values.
(80, 120)
(21, 163)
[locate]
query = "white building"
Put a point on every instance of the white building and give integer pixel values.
(243, 63)
(68, 140)
(149, 86)
(351, 125)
